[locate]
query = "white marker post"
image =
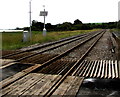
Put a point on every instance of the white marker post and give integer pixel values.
(25, 36)
(44, 13)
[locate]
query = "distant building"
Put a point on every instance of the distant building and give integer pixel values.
(11, 30)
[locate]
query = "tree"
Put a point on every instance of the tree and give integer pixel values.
(65, 26)
(119, 24)
(77, 21)
(37, 26)
(49, 27)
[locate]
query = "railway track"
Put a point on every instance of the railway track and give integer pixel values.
(26, 55)
(73, 38)
(55, 86)
(64, 72)
(64, 68)
(98, 69)
(37, 67)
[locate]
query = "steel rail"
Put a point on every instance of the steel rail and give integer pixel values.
(42, 46)
(56, 85)
(21, 74)
(35, 54)
(45, 45)
(51, 48)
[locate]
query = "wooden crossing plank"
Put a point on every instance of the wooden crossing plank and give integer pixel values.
(119, 68)
(69, 86)
(100, 69)
(45, 88)
(15, 77)
(106, 69)
(15, 84)
(113, 69)
(109, 71)
(103, 70)
(64, 86)
(90, 69)
(25, 86)
(83, 69)
(10, 79)
(36, 88)
(31, 82)
(96, 70)
(93, 69)
(7, 65)
(42, 83)
(78, 68)
(74, 87)
(3, 63)
(116, 69)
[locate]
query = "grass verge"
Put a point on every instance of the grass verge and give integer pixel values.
(14, 40)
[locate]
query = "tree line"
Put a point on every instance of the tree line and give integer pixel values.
(68, 26)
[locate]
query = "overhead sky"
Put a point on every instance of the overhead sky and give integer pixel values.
(119, 10)
(15, 13)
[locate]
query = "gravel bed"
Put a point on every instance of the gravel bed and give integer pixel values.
(42, 44)
(6, 52)
(61, 49)
(39, 59)
(103, 50)
(69, 60)
(77, 53)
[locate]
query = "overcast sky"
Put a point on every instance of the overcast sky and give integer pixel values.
(15, 13)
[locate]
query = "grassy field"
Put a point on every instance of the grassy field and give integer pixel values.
(13, 40)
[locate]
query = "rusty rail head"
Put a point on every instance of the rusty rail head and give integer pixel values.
(42, 46)
(35, 67)
(55, 86)
(51, 48)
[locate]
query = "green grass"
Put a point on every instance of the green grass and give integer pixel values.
(13, 40)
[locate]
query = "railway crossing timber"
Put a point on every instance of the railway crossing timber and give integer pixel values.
(57, 74)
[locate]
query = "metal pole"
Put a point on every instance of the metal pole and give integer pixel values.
(44, 30)
(30, 21)
(118, 24)
(44, 19)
